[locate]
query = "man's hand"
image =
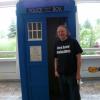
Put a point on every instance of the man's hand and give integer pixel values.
(56, 74)
(78, 76)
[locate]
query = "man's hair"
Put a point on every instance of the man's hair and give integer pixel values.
(65, 26)
(62, 26)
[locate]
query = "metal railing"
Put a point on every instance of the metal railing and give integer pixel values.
(87, 52)
(7, 55)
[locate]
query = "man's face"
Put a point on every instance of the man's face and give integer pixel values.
(62, 32)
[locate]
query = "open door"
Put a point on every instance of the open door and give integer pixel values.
(52, 24)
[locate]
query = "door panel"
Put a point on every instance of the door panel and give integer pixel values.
(36, 52)
(52, 24)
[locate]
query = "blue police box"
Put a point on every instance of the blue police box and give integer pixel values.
(37, 21)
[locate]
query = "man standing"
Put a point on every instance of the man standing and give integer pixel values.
(67, 64)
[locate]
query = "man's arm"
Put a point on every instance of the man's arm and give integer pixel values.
(78, 56)
(55, 65)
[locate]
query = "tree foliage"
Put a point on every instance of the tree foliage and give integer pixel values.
(87, 25)
(87, 35)
(97, 29)
(12, 30)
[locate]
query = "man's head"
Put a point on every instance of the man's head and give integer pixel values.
(62, 32)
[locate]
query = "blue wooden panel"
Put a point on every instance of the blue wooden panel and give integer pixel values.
(34, 75)
(68, 4)
(37, 71)
(22, 57)
(39, 82)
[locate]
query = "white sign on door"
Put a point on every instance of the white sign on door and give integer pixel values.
(35, 53)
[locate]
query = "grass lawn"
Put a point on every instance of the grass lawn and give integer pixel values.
(7, 45)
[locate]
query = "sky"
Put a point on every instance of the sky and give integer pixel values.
(90, 11)
(7, 15)
(3, 0)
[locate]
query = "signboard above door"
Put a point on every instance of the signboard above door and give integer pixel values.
(46, 9)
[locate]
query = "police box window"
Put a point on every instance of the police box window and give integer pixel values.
(34, 31)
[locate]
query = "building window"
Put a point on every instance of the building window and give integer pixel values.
(34, 31)
(89, 21)
(8, 32)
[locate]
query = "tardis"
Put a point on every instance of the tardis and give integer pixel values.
(37, 21)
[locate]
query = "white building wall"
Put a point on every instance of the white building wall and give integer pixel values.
(9, 69)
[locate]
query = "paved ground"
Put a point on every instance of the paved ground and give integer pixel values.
(90, 90)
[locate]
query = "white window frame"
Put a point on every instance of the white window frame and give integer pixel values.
(88, 1)
(8, 3)
(34, 39)
(77, 30)
(13, 3)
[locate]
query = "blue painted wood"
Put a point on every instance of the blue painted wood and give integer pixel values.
(22, 57)
(34, 75)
